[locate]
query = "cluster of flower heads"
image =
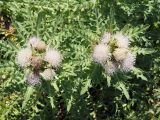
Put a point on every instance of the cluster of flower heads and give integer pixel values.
(41, 61)
(113, 53)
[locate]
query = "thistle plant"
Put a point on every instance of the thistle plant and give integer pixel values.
(40, 60)
(80, 91)
(113, 53)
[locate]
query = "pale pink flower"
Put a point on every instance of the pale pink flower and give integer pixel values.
(120, 54)
(33, 79)
(128, 62)
(100, 53)
(24, 56)
(122, 40)
(106, 38)
(48, 74)
(36, 62)
(110, 68)
(36, 43)
(53, 57)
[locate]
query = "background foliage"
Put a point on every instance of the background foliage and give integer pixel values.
(81, 89)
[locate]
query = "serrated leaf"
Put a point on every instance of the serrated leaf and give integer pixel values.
(54, 84)
(142, 77)
(85, 88)
(27, 95)
(69, 105)
(52, 101)
(124, 90)
(108, 81)
(41, 16)
(139, 73)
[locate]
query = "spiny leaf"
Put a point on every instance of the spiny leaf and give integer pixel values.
(69, 105)
(124, 90)
(108, 81)
(41, 17)
(85, 88)
(54, 84)
(27, 96)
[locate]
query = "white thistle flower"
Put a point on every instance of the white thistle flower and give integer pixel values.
(36, 43)
(122, 40)
(105, 38)
(41, 46)
(120, 54)
(48, 74)
(110, 68)
(33, 79)
(24, 56)
(128, 62)
(33, 41)
(53, 57)
(100, 53)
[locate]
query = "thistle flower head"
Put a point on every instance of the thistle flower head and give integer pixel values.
(24, 56)
(48, 74)
(105, 38)
(122, 40)
(33, 79)
(100, 53)
(128, 62)
(41, 46)
(110, 67)
(53, 57)
(113, 53)
(33, 41)
(36, 61)
(120, 54)
(36, 43)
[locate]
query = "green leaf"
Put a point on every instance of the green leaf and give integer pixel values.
(124, 90)
(85, 88)
(69, 105)
(2, 117)
(108, 81)
(139, 73)
(158, 110)
(29, 92)
(54, 84)
(142, 77)
(143, 51)
(41, 17)
(52, 101)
